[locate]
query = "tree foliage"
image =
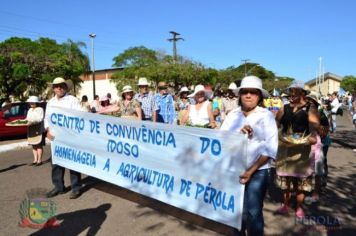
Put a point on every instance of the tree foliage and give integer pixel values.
(28, 66)
(348, 83)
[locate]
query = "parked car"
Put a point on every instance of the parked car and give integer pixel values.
(11, 112)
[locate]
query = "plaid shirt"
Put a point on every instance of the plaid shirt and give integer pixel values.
(148, 104)
(166, 112)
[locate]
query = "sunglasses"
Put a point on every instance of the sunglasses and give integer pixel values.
(162, 87)
(143, 86)
(62, 86)
(250, 91)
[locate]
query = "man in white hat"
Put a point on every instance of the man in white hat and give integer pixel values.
(230, 102)
(148, 104)
(64, 100)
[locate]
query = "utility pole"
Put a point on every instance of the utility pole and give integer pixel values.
(245, 61)
(92, 37)
(174, 39)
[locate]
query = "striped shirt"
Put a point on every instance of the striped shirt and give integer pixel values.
(148, 104)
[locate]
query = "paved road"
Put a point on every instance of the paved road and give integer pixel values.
(105, 209)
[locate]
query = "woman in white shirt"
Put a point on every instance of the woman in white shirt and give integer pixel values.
(200, 114)
(35, 134)
(261, 129)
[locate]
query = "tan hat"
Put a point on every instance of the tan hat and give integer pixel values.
(127, 89)
(142, 82)
(314, 96)
(183, 89)
(252, 82)
(60, 80)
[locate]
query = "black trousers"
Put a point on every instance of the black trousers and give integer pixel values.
(58, 178)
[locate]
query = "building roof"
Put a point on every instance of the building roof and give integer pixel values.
(326, 75)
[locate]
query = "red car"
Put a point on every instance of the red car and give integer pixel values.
(11, 112)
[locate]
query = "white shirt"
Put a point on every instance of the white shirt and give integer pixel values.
(335, 104)
(35, 115)
(200, 117)
(264, 140)
(67, 101)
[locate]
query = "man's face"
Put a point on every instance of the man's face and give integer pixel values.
(143, 88)
(59, 90)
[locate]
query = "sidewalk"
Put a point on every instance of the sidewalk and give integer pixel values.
(106, 209)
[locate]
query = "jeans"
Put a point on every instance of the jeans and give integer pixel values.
(255, 192)
(58, 178)
(333, 123)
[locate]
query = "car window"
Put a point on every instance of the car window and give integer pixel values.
(16, 110)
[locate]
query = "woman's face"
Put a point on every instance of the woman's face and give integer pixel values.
(33, 105)
(128, 96)
(200, 97)
(295, 96)
(250, 97)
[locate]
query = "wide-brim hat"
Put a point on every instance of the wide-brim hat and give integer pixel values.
(198, 88)
(183, 89)
(60, 80)
(252, 82)
(297, 85)
(33, 99)
(104, 98)
(232, 86)
(142, 82)
(314, 96)
(127, 89)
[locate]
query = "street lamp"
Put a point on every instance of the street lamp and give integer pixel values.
(92, 37)
(245, 60)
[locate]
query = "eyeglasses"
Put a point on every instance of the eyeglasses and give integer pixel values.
(250, 91)
(62, 86)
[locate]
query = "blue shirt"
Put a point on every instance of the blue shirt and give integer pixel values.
(148, 104)
(166, 112)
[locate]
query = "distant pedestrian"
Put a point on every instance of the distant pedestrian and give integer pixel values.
(128, 107)
(230, 102)
(85, 104)
(35, 132)
(95, 104)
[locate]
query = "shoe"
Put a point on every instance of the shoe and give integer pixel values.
(54, 192)
(32, 164)
(74, 194)
(299, 213)
(38, 163)
(283, 210)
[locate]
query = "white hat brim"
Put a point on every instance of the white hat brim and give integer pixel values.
(265, 93)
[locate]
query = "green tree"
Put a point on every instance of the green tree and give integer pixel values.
(27, 65)
(348, 83)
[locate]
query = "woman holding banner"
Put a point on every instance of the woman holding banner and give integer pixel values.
(260, 127)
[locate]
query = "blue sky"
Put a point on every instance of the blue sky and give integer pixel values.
(286, 37)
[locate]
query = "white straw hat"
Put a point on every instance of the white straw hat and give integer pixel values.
(232, 86)
(142, 82)
(199, 88)
(60, 80)
(33, 99)
(252, 82)
(183, 89)
(127, 89)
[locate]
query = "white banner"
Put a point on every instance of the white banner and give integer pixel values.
(190, 168)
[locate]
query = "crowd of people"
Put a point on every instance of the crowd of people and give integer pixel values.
(289, 132)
